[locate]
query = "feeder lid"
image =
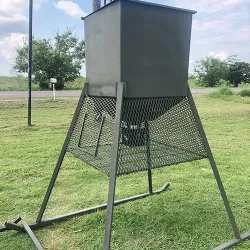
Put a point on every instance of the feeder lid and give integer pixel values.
(146, 3)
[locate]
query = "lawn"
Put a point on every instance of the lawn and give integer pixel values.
(190, 215)
(20, 83)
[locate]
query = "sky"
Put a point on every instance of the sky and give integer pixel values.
(220, 28)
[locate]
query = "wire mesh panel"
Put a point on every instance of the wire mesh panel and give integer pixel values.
(92, 136)
(154, 132)
(158, 132)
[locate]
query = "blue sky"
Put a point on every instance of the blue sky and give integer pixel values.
(220, 28)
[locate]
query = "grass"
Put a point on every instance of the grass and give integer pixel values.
(20, 83)
(77, 84)
(244, 85)
(195, 83)
(245, 93)
(226, 93)
(222, 92)
(17, 83)
(190, 215)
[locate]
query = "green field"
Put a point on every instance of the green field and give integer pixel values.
(190, 215)
(21, 84)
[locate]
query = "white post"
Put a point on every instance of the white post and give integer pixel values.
(53, 81)
(54, 91)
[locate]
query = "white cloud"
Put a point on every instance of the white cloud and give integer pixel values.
(242, 14)
(14, 15)
(191, 61)
(237, 38)
(13, 27)
(242, 34)
(8, 47)
(219, 25)
(208, 6)
(18, 6)
(219, 55)
(70, 8)
(9, 44)
(13, 23)
(13, 6)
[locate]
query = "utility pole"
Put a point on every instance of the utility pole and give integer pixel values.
(96, 4)
(30, 59)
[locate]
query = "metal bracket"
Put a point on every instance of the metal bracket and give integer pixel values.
(2, 229)
(14, 226)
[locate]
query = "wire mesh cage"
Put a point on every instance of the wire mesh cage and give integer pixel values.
(154, 132)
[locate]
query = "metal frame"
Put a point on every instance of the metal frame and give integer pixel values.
(238, 238)
(113, 168)
(32, 236)
(112, 182)
(150, 185)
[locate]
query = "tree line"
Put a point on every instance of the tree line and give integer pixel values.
(62, 58)
(213, 71)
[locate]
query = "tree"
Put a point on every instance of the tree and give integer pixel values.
(211, 70)
(61, 58)
(239, 72)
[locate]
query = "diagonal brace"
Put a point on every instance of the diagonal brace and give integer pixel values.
(235, 241)
(44, 223)
(32, 236)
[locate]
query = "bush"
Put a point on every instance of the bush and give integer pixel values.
(225, 91)
(245, 92)
(222, 92)
(244, 85)
(59, 85)
(77, 84)
(223, 82)
(194, 83)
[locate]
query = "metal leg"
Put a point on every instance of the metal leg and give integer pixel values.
(113, 171)
(231, 243)
(214, 167)
(61, 157)
(150, 185)
(113, 168)
(32, 236)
